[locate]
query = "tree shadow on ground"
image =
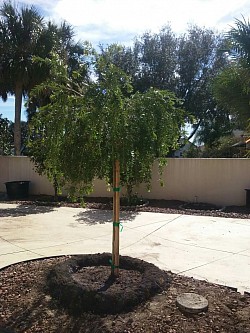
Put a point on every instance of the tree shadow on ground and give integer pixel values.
(97, 216)
(23, 210)
(24, 318)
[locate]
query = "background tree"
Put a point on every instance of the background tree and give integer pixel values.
(151, 61)
(199, 60)
(231, 91)
(183, 64)
(71, 53)
(157, 59)
(21, 32)
(231, 86)
(240, 42)
(6, 136)
(222, 147)
(24, 36)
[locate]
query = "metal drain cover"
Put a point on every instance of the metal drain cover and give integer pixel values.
(192, 303)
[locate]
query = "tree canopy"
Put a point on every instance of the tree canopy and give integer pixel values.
(21, 35)
(86, 127)
(184, 64)
(24, 36)
(231, 86)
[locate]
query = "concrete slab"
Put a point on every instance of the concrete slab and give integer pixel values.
(233, 271)
(208, 232)
(14, 258)
(245, 253)
(79, 247)
(170, 256)
(148, 219)
(214, 249)
(8, 248)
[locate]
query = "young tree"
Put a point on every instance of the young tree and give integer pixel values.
(90, 127)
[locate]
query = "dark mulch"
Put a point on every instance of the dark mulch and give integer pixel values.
(27, 306)
(83, 283)
(149, 205)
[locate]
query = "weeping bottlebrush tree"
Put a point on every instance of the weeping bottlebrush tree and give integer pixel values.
(86, 126)
(86, 129)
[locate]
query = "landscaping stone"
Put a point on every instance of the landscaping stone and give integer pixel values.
(192, 303)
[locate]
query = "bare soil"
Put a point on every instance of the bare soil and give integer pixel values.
(28, 306)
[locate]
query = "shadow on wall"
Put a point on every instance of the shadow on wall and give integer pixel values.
(97, 216)
(24, 210)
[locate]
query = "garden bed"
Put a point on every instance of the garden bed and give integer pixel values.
(27, 306)
(149, 205)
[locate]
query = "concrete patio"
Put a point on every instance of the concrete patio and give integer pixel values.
(206, 248)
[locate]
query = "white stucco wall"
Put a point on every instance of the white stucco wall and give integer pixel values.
(218, 181)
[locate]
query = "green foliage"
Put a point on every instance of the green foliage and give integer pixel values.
(6, 137)
(184, 64)
(21, 34)
(24, 35)
(231, 90)
(221, 148)
(46, 128)
(157, 60)
(199, 60)
(239, 37)
(192, 152)
(231, 86)
(85, 128)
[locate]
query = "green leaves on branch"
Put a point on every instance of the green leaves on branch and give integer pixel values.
(231, 86)
(231, 89)
(83, 129)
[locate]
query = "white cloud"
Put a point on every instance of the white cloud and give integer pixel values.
(100, 20)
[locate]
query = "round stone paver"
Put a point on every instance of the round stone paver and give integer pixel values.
(192, 303)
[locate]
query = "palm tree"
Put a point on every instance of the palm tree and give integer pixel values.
(71, 54)
(22, 36)
(240, 39)
(231, 87)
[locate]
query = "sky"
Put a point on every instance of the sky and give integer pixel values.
(120, 21)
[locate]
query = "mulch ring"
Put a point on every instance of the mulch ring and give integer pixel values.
(83, 283)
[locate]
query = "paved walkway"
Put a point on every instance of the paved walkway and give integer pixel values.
(214, 249)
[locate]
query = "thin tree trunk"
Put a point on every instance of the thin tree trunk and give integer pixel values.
(17, 124)
(129, 193)
(55, 185)
(116, 220)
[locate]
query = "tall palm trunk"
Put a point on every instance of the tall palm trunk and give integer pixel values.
(17, 124)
